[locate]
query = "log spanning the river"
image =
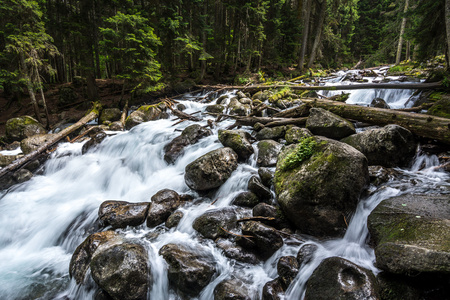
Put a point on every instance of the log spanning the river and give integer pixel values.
(404, 86)
(93, 114)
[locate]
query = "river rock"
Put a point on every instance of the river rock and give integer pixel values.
(7, 159)
(379, 103)
(306, 253)
(273, 290)
(116, 126)
(296, 134)
(261, 95)
(96, 139)
(265, 240)
(82, 256)
(232, 289)
(109, 114)
(190, 135)
(239, 141)
(123, 271)
(174, 219)
(20, 128)
(145, 113)
(134, 119)
(315, 193)
(268, 151)
(389, 146)
(210, 224)
(379, 174)
(234, 251)
(215, 108)
(269, 211)
(237, 108)
(266, 176)
(163, 203)
(271, 133)
(411, 233)
(324, 123)
(32, 143)
(22, 175)
(120, 214)
(263, 193)
(287, 268)
(338, 278)
(190, 269)
(245, 199)
(211, 170)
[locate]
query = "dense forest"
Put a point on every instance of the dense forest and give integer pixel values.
(142, 41)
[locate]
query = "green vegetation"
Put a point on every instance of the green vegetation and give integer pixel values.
(304, 150)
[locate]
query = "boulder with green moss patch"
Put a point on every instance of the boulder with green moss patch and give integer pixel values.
(296, 134)
(441, 108)
(316, 192)
(325, 123)
(238, 140)
(412, 234)
(20, 128)
(109, 114)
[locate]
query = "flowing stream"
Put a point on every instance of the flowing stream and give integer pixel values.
(43, 220)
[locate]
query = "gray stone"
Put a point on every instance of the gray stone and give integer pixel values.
(120, 214)
(162, 205)
(109, 114)
(271, 133)
(210, 224)
(268, 151)
(174, 219)
(246, 199)
(236, 252)
(296, 134)
(239, 141)
(324, 123)
(273, 290)
(265, 239)
(263, 193)
(232, 289)
(266, 176)
(23, 127)
(287, 269)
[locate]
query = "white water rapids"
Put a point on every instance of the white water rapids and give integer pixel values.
(43, 220)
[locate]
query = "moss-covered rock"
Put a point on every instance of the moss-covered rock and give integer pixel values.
(109, 114)
(238, 140)
(20, 128)
(296, 134)
(272, 133)
(325, 123)
(412, 234)
(237, 108)
(441, 108)
(316, 191)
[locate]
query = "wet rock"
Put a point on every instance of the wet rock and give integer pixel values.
(116, 126)
(23, 127)
(266, 176)
(324, 123)
(263, 193)
(222, 99)
(13, 146)
(268, 151)
(269, 211)
(181, 106)
(389, 146)
(211, 170)
(379, 103)
(273, 290)
(32, 143)
(271, 133)
(261, 95)
(287, 269)
(308, 192)
(145, 113)
(237, 108)
(265, 238)
(109, 114)
(190, 135)
(174, 219)
(245, 100)
(233, 251)
(216, 108)
(190, 269)
(245, 199)
(338, 278)
(134, 119)
(296, 134)
(82, 256)
(7, 159)
(210, 224)
(120, 214)
(393, 287)
(123, 271)
(306, 253)
(411, 234)
(231, 289)
(96, 139)
(379, 175)
(22, 175)
(162, 205)
(239, 141)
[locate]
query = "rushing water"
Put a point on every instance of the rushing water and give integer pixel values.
(43, 220)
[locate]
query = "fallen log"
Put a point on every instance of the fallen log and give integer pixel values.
(298, 111)
(419, 124)
(407, 86)
(93, 114)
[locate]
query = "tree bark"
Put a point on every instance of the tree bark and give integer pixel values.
(402, 31)
(307, 14)
(317, 40)
(447, 29)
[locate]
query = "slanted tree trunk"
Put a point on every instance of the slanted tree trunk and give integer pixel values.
(30, 88)
(317, 40)
(402, 31)
(447, 29)
(307, 14)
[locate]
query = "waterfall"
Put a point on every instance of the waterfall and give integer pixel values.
(43, 220)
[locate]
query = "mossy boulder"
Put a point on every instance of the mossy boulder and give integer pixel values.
(325, 123)
(20, 128)
(411, 234)
(215, 108)
(296, 134)
(7, 159)
(262, 95)
(146, 113)
(271, 133)
(239, 141)
(109, 114)
(315, 190)
(268, 151)
(237, 108)
(390, 146)
(441, 108)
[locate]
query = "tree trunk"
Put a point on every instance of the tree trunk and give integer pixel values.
(402, 31)
(30, 88)
(317, 40)
(307, 13)
(447, 28)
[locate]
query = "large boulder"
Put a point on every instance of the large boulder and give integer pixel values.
(190, 135)
(211, 170)
(123, 271)
(212, 222)
(162, 205)
(265, 240)
(411, 234)
(287, 268)
(32, 143)
(145, 113)
(317, 181)
(268, 151)
(271, 133)
(296, 134)
(238, 140)
(325, 123)
(390, 146)
(338, 278)
(109, 115)
(190, 269)
(120, 214)
(232, 289)
(134, 119)
(20, 128)
(237, 108)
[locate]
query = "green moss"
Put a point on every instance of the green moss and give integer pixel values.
(304, 150)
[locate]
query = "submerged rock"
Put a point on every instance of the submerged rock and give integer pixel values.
(210, 224)
(232, 289)
(338, 278)
(265, 240)
(120, 214)
(314, 192)
(287, 269)
(163, 203)
(20, 128)
(190, 269)
(273, 290)
(325, 123)
(238, 140)
(390, 146)
(211, 170)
